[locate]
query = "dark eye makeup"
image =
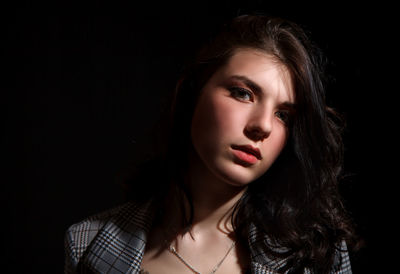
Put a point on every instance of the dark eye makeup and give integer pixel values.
(283, 115)
(241, 94)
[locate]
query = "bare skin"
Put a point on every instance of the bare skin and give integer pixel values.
(209, 239)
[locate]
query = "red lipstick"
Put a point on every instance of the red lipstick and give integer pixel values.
(247, 153)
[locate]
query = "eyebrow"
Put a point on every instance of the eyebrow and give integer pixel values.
(258, 90)
(251, 84)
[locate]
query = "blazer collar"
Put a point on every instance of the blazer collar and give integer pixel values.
(119, 245)
(260, 262)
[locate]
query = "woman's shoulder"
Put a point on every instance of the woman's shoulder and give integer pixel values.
(80, 235)
(95, 221)
(261, 258)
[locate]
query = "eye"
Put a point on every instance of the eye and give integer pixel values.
(283, 115)
(241, 94)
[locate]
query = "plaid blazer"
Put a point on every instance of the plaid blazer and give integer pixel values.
(114, 242)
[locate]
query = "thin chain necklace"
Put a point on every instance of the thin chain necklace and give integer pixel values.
(173, 251)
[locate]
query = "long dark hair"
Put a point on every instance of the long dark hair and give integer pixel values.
(296, 202)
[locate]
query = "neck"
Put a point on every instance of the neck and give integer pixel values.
(213, 199)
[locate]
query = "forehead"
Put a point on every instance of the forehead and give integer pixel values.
(263, 69)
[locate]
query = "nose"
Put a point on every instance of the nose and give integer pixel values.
(259, 125)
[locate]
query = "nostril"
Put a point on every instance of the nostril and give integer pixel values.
(256, 133)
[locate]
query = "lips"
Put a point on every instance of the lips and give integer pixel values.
(249, 149)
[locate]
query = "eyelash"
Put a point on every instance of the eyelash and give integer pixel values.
(235, 92)
(286, 117)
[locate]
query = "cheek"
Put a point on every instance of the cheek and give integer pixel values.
(272, 147)
(228, 118)
(275, 143)
(215, 119)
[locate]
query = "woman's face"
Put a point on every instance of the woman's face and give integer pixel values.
(239, 126)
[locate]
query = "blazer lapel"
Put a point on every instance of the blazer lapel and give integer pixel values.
(261, 263)
(119, 245)
(258, 268)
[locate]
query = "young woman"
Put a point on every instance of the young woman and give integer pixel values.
(247, 178)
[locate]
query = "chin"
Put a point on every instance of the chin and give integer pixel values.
(237, 175)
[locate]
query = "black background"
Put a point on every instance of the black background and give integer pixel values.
(83, 84)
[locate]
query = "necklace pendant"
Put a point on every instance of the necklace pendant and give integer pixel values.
(173, 251)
